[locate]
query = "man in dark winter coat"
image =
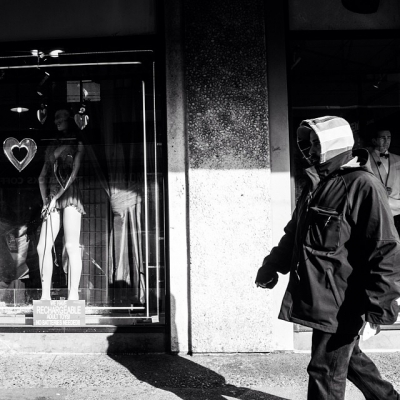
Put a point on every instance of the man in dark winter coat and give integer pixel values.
(343, 254)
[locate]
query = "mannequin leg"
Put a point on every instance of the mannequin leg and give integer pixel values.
(72, 232)
(48, 234)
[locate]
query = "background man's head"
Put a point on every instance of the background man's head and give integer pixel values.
(381, 140)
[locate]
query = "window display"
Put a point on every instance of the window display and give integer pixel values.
(81, 187)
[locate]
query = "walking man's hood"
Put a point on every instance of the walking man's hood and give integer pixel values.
(333, 134)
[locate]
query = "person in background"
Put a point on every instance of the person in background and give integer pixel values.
(343, 255)
(386, 167)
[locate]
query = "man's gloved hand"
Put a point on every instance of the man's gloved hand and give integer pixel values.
(266, 278)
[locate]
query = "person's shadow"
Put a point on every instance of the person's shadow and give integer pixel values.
(186, 379)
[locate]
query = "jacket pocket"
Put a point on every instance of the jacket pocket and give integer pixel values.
(332, 285)
(324, 229)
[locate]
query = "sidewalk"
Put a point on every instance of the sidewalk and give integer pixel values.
(273, 376)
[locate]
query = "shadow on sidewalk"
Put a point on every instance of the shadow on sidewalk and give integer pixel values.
(186, 379)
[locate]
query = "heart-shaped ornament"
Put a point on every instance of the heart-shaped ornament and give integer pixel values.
(28, 144)
(81, 120)
(42, 115)
(63, 170)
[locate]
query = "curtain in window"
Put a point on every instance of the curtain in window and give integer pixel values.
(116, 151)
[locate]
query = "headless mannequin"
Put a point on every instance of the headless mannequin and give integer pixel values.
(52, 213)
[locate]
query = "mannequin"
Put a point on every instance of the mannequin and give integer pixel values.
(61, 203)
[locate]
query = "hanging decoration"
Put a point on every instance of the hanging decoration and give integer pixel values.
(42, 113)
(81, 119)
(28, 144)
(41, 88)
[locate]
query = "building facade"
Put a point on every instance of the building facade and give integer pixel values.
(185, 114)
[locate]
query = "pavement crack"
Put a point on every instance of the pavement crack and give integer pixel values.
(45, 374)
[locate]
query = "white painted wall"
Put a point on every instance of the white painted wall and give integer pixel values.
(230, 228)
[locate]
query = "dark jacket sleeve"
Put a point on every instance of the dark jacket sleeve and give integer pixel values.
(280, 257)
(380, 248)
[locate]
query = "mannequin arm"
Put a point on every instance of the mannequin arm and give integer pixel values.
(43, 183)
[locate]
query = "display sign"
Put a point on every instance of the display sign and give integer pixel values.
(59, 312)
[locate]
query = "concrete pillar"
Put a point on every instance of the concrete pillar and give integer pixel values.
(228, 175)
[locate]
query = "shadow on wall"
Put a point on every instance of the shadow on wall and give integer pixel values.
(181, 376)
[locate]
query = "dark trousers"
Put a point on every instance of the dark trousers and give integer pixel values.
(335, 357)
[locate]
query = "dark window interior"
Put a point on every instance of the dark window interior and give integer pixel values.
(352, 75)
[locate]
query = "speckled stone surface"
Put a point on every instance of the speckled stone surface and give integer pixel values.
(226, 84)
(274, 376)
(228, 176)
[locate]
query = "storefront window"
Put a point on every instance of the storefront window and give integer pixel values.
(357, 79)
(81, 131)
